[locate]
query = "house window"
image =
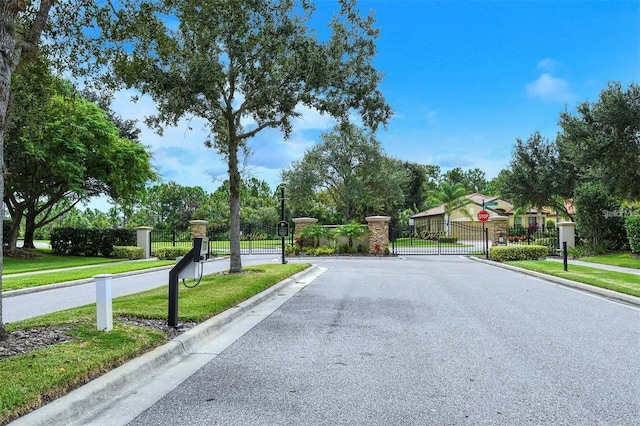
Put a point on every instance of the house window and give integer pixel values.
(519, 220)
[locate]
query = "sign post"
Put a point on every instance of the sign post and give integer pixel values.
(283, 225)
(483, 216)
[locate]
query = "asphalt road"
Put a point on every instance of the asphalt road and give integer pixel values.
(431, 340)
(24, 306)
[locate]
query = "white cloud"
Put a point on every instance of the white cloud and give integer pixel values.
(548, 65)
(179, 154)
(311, 119)
(549, 88)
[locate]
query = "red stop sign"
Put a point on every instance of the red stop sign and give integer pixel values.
(483, 216)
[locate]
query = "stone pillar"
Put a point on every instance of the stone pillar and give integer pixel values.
(378, 233)
(143, 239)
(567, 232)
(198, 228)
(498, 228)
(301, 223)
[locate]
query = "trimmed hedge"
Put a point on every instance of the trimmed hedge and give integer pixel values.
(127, 252)
(90, 242)
(632, 225)
(506, 253)
(171, 253)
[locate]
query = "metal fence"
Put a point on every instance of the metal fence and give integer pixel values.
(254, 239)
(438, 237)
(544, 236)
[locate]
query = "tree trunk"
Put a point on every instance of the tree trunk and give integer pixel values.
(235, 261)
(12, 238)
(7, 65)
(29, 230)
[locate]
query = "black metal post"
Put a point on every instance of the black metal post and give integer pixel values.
(565, 256)
(192, 256)
(486, 242)
(282, 218)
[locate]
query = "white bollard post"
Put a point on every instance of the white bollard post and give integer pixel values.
(104, 309)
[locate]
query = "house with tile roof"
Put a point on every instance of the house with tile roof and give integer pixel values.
(496, 207)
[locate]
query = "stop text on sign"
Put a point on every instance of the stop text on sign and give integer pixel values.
(483, 216)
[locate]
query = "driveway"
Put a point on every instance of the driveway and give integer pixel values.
(438, 340)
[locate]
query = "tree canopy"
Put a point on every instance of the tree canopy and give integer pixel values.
(351, 168)
(601, 142)
(62, 147)
(531, 178)
(594, 163)
(246, 66)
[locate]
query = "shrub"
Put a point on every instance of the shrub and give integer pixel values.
(295, 250)
(579, 251)
(170, 253)
(601, 231)
(506, 253)
(343, 248)
(127, 252)
(90, 242)
(448, 239)
(321, 251)
(632, 226)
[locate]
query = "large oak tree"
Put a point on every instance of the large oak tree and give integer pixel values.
(350, 167)
(245, 66)
(62, 147)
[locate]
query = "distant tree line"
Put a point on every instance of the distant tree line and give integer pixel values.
(591, 169)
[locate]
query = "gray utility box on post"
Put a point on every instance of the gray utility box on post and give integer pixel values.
(193, 270)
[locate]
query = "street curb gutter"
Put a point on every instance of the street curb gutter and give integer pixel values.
(98, 394)
(609, 294)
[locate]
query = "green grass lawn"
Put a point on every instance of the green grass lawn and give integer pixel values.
(13, 282)
(46, 260)
(617, 281)
(29, 381)
(616, 259)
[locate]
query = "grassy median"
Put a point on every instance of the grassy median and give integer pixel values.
(30, 380)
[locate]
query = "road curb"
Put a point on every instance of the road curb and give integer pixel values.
(609, 294)
(99, 393)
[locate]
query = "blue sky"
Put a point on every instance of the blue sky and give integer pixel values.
(464, 79)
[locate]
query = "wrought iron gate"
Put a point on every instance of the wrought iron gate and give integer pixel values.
(437, 237)
(254, 239)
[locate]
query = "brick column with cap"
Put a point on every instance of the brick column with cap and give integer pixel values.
(301, 223)
(378, 233)
(198, 228)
